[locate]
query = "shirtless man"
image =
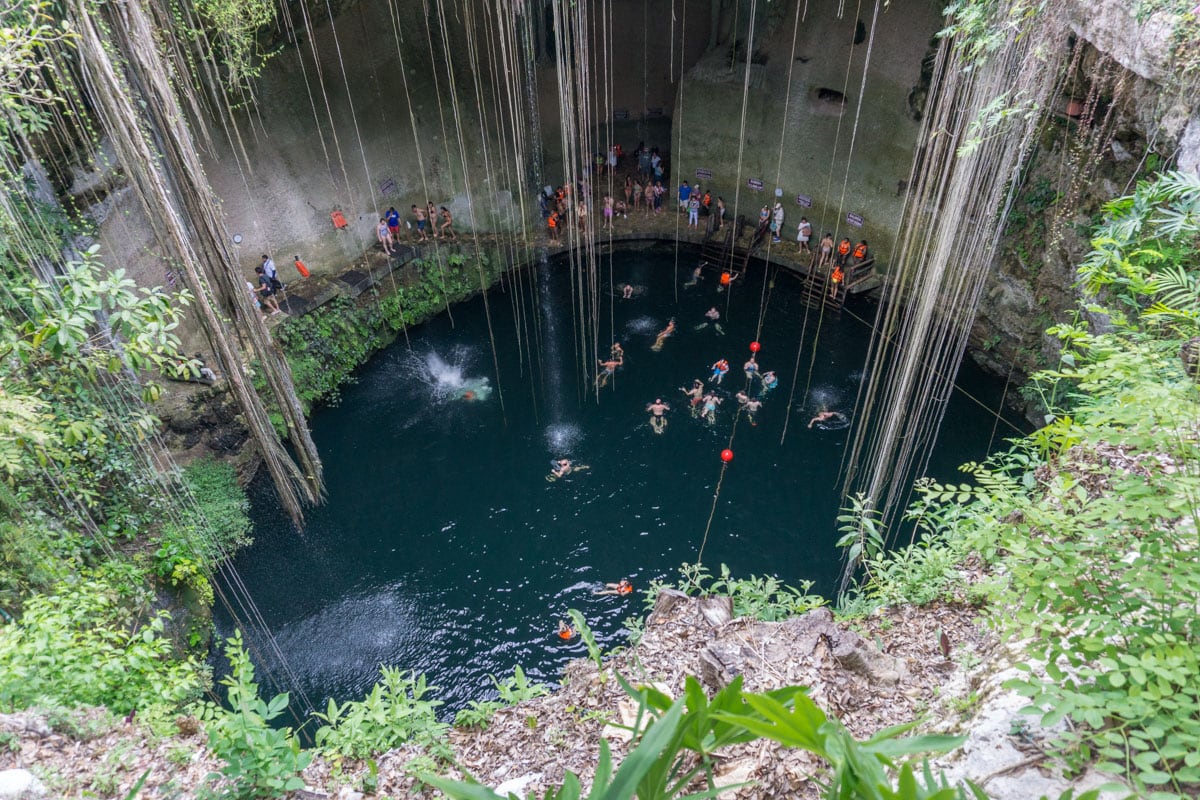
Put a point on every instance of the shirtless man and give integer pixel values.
(608, 368)
(695, 395)
(751, 369)
(752, 405)
(709, 410)
(627, 291)
(419, 213)
(562, 468)
(827, 416)
(617, 352)
(657, 421)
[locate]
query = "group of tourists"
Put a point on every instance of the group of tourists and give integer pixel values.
(436, 219)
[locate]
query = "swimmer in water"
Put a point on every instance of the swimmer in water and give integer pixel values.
(709, 412)
(719, 368)
(562, 467)
(752, 405)
(827, 416)
(751, 369)
(565, 631)
(695, 395)
(617, 352)
(661, 339)
(657, 421)
(627, 291)
(695, 277)
(607, 368)
(727, 279)
(769, 382)
(713, 315)
(620, 587)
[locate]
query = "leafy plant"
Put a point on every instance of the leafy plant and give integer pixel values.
(765, 598)
(260, 760)
(676, 741)
(395, 711)
(94, 641)
(515, 689)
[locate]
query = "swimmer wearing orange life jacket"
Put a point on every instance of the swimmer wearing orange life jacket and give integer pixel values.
(835, 279)
(621, 587)
(565, 631)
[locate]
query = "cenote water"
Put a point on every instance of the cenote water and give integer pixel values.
(444, 549)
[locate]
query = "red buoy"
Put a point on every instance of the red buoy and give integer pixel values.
(755, 347)
(727, 455)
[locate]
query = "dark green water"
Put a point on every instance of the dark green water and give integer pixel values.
(445, 550)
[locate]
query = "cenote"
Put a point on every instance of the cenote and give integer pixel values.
(444, 549)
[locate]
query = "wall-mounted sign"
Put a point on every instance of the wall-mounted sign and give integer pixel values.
(651, 113)
(621, 113)
(387, 187)
(855, 220)
(703, 174)
(804, 200)
(755, 184)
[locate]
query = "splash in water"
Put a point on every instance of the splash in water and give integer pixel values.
(447, 379)
(562, 437)
(641, 325)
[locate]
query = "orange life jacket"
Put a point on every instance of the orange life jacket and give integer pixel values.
(566, 633)
(836, 275)
(552, 221)
(726, 278)
(860, 251)
(844, 247)
(624, 589)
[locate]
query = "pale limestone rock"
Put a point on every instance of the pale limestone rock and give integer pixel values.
(20, 784)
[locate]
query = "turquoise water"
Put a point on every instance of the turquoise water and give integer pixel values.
(444, 549)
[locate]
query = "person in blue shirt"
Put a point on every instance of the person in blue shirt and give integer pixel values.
(685, 194)
(392, 217)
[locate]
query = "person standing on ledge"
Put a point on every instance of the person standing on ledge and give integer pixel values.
(419, 213)
(431, 212)
(266, 291)
(447, 225)
(803, 234)
(392, 217)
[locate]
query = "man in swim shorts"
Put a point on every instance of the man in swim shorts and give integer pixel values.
(657, 421)
(695, 395)
(709, 412)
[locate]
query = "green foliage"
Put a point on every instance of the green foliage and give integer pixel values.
(325, 346)
(260, 760)
(233, 26)
(980, 27)
(678, 740)
(395, 711)
(764, 598)
(1091, 521)
(589, 639)
(94, 641)
(512, 690)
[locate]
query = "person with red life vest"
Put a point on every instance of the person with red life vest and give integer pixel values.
(623, 586)
(565, 631)
(843, 251)
(552, 225)
(719, 368)
(860, 252)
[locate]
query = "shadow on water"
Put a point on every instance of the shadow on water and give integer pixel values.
(444, 548)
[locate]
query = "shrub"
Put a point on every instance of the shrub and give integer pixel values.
(260, 761)
(395, 711)
(88, 643)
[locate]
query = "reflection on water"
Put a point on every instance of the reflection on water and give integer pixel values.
(443, 548)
